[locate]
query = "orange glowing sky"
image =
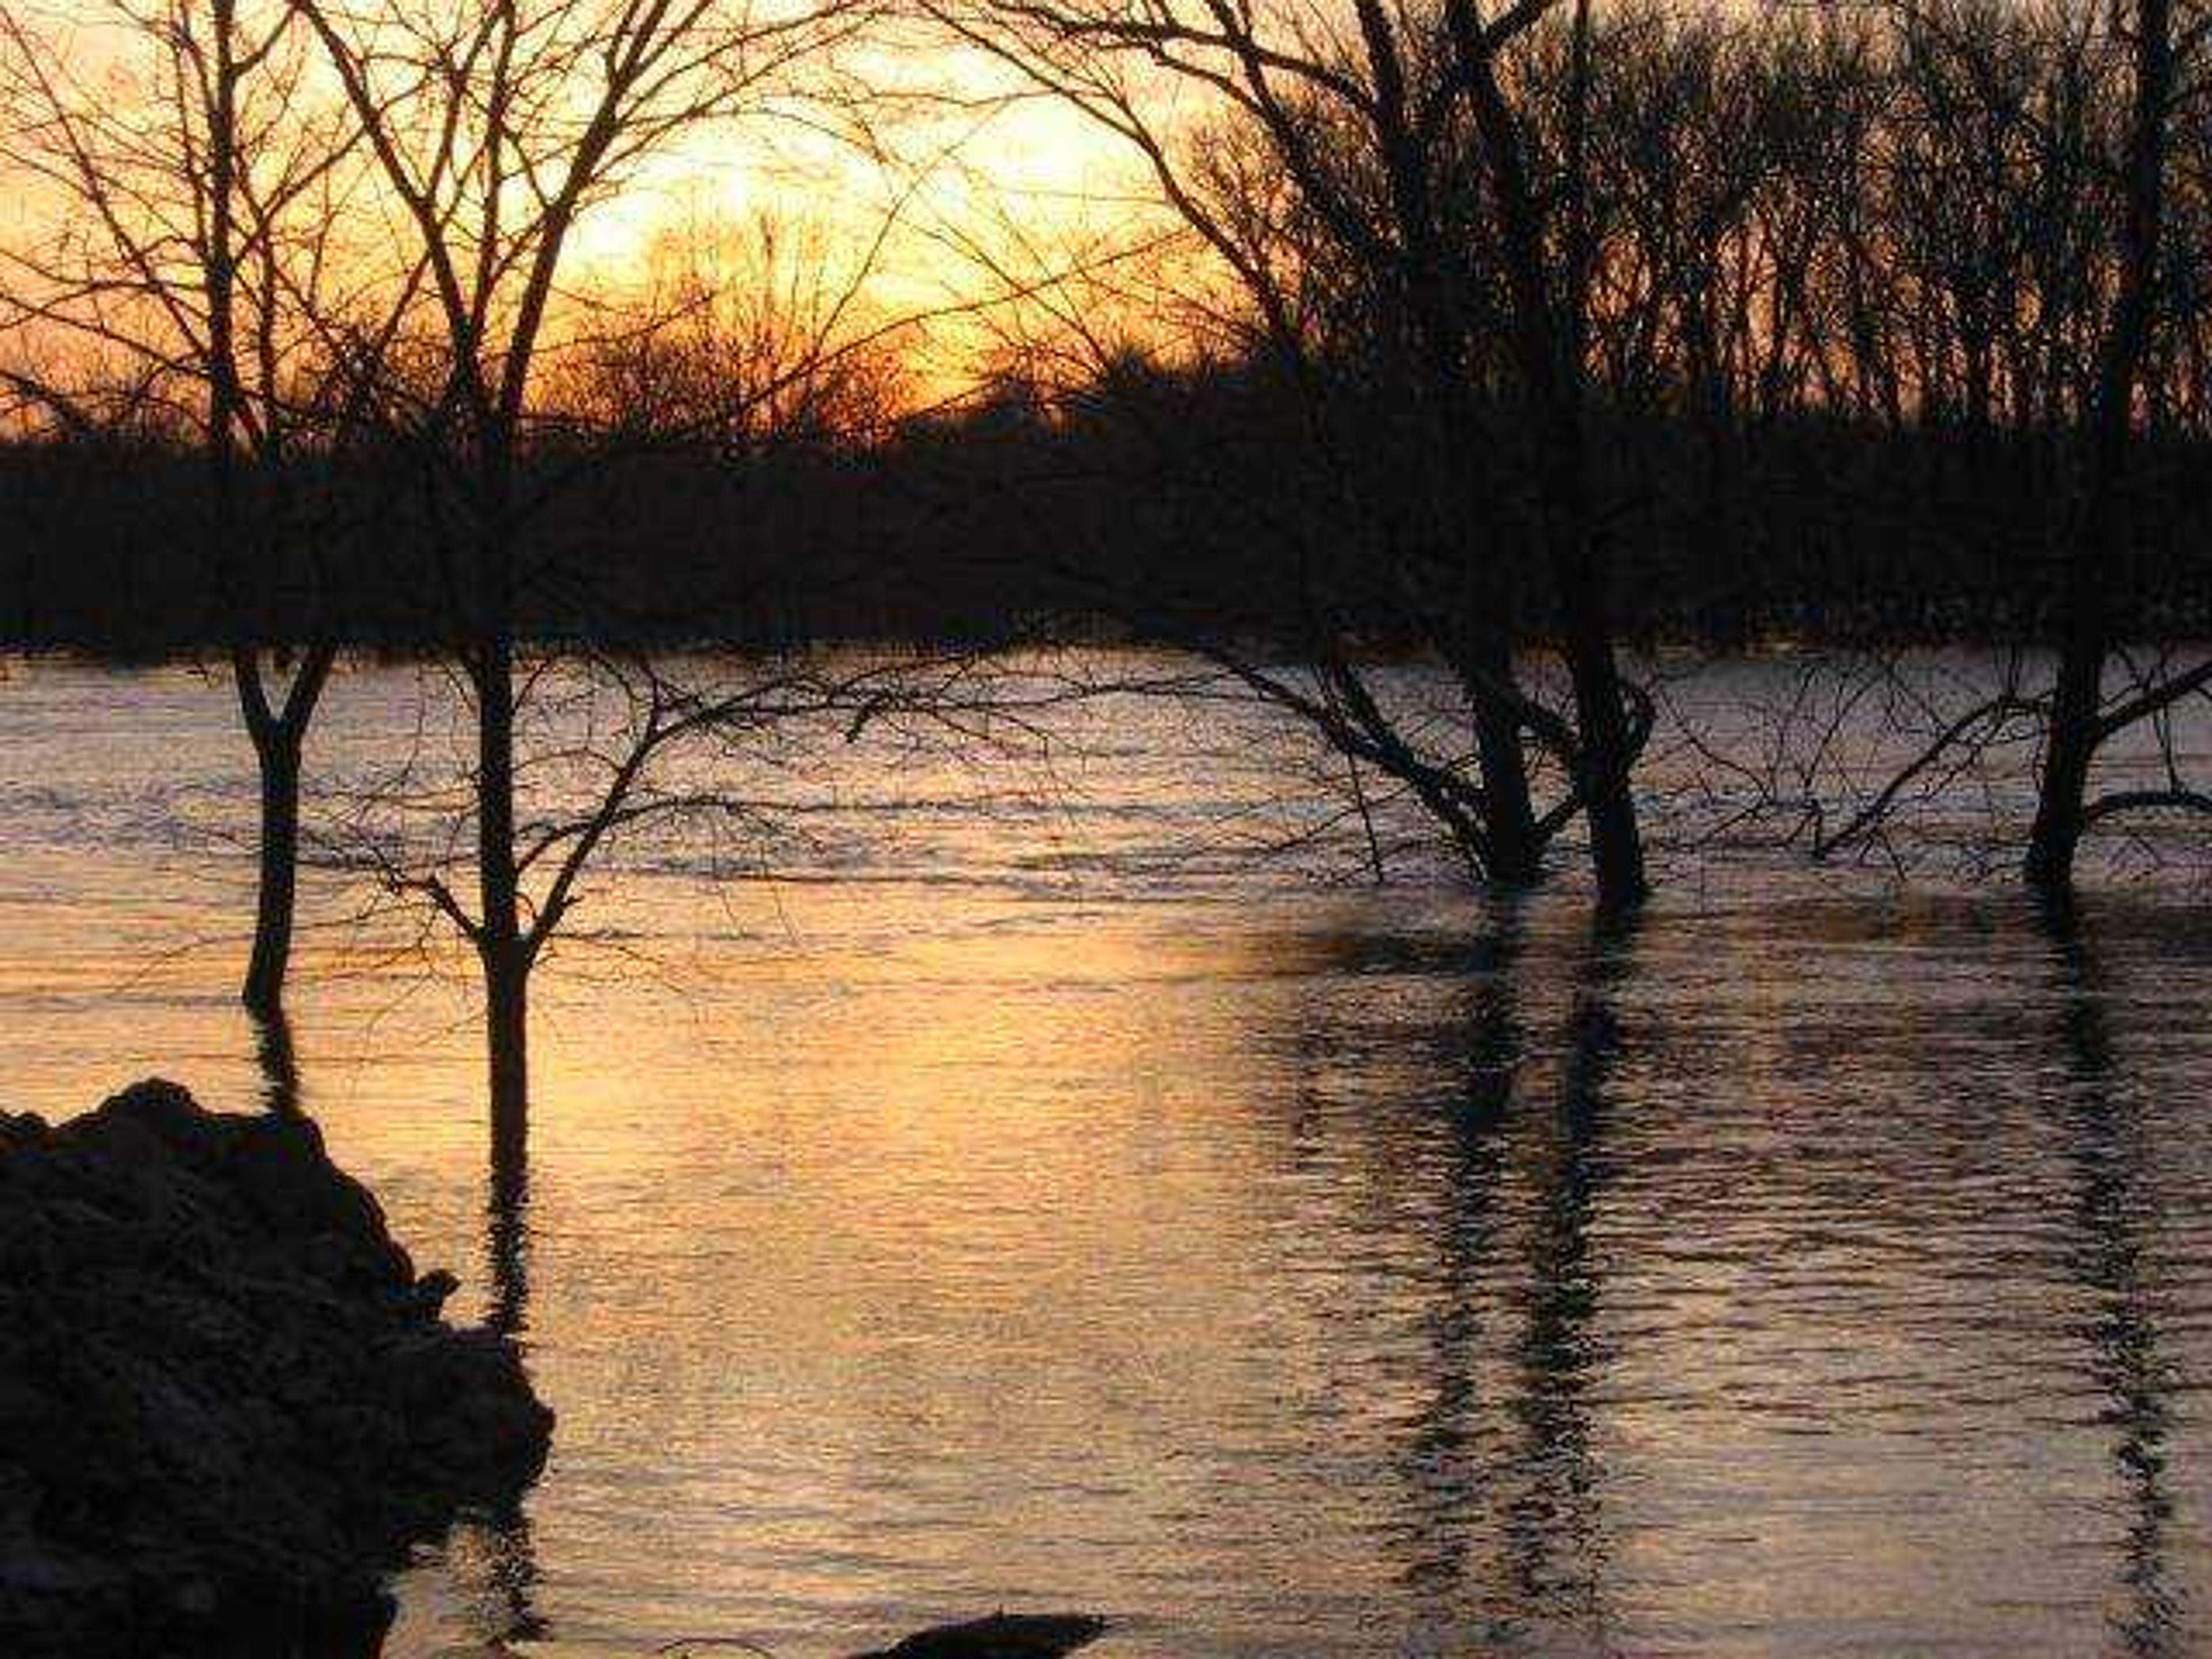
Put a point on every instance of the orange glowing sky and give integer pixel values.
(963, 201)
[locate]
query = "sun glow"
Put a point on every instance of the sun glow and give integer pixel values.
(947, 202)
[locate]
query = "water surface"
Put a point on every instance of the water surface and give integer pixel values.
(1010, 1190)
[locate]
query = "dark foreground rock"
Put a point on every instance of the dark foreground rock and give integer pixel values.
(227, 1403)
(1002, 1635)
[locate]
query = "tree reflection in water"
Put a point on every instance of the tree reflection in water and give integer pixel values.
(504, 1561)
(1500, 1468)
(507, 1239)
(2112, 1163)
(1449, 1453)
(1525, 1176)
(491, 1557)
(1553, 1529)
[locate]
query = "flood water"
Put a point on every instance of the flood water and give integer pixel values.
(1008, 1188)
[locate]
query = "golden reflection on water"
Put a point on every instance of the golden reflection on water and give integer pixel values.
(1283, 1269)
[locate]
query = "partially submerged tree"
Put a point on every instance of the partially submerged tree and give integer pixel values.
(495, 133)
(2081, 721)
(1385, 171)
(198, 279)
(2035, 328)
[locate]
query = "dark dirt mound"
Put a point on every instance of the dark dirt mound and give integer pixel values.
(227, 1403)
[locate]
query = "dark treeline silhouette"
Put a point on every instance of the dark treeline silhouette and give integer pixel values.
(1035, 516)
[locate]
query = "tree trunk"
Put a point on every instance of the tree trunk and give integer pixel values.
(1517, 849)
(1548, 342)
(1483, 654)
(502, 945)
(507, 1033)
(279, 1061)
(2062, 790)
(1616, 841)
(280, 738)
(1606, 757)
(277, 747)
(2096, 539)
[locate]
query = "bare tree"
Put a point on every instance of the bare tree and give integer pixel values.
(495, 132)
(2035, 313)
(1366, 144)
(2080, 720)
(200, 269)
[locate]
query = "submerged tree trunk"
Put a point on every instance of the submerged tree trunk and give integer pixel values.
(1489, 615)
(2076, 728)
(507, 1032)
(279, 741)
(1481, 655)
(1607, 754)
(501, 944)
(1547, 344)
(278, 750)
(2062, 789)
(1516, 842)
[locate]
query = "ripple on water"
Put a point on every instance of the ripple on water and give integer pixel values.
(1034, 1199)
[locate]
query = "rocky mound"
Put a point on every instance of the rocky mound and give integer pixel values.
(226, 1401)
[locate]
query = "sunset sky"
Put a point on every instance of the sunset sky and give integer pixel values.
(964, 186)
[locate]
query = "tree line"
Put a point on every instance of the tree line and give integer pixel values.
(1165, 483)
